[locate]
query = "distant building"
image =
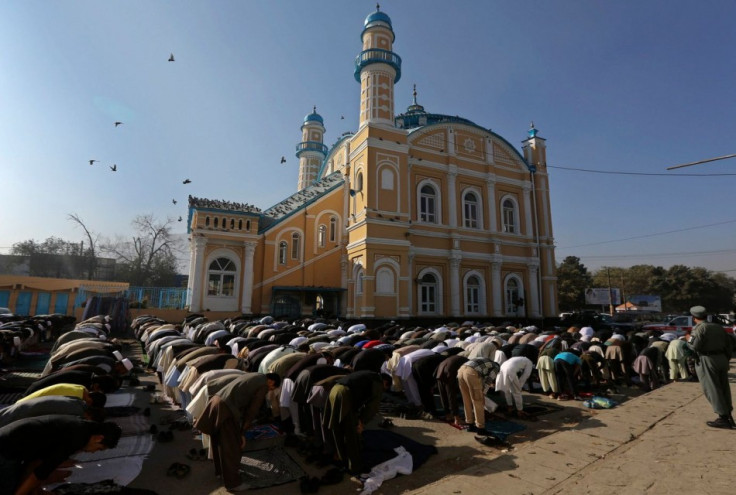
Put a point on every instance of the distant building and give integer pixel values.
(415, 215)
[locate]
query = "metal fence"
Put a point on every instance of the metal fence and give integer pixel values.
(139, 297)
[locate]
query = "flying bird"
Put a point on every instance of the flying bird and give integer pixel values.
(173, 201)
(186, 181)
(114, 168)
(342, 117)
(171, 57)
(180, 219)
(92, 162)
(118, 123)
(283, 159)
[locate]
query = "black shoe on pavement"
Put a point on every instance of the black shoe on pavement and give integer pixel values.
(720, 423)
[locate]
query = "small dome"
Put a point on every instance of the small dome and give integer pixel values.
(314, 117)
(376, 17)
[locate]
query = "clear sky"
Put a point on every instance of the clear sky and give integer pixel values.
(630, 87)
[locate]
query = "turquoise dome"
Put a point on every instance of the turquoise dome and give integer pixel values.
(377, 16)
(314, 117)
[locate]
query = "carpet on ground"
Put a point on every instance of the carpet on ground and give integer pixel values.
(120, 411)
(264, 436)
(136, 424)
(127, 446)
(120, 471)
(502, 429)
(269, 467)
(540, 409)
(106, 486)
(120, 399)
(379, 446)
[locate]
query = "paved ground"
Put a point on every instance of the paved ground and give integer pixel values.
(654, 443)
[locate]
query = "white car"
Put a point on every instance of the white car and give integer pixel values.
(5, 311)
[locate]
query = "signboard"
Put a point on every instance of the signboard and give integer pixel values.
(647, 303)
(602, 296)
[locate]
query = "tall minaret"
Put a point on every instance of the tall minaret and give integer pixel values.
(377, 68)
(311, 151)
(535, 149)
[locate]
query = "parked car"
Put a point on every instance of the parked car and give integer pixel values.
(5, 311)
(681, 325)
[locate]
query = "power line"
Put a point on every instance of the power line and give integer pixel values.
(648, 235)
(701, 161)
(643, 255)
(609, 172)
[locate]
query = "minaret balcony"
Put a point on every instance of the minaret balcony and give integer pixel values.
(305, 146)
(375, 56)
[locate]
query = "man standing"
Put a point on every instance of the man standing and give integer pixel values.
(714, 347)
(226, 417)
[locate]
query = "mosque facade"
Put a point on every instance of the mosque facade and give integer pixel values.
(413, 215)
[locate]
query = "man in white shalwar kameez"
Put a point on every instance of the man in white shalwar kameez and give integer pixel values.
(511, 378)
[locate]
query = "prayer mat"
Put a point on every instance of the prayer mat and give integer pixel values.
(269, 467)
(263, 437)
(120, 399)
(120, 411)
(379, 445)
(118, 471)
(541, 408)
(502, 429)
(106, 486)
(137, 424)
(127, 446)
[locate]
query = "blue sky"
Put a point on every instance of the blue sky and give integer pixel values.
(626, 86)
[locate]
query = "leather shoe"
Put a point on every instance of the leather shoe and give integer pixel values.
(720, 423)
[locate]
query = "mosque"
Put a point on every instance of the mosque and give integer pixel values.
(416, 215)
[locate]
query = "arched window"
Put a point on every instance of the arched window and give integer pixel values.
(247, 225)
(232, 223)
(221, 278)
(295, 245)
(321, 236)
(359, 182)
(240, 224)
(471, 211)
(428, 294)
(428, 204)
(472, 295)
(282, 252)
(333, 229)
(224, 222)
(508, 209)
(385, 281)
(319, 303)
(216, 222)
(206, 221)
(387, 179)
(513, 296)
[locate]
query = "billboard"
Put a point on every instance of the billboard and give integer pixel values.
(603, 296)
(647, 303)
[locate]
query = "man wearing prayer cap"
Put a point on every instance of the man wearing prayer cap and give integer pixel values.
(714, 347)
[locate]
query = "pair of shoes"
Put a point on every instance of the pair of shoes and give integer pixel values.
(489, 440)
(178, 470)
(386, 423)
(720, 423)
(240, 488)
(197, 455)
(474, 429)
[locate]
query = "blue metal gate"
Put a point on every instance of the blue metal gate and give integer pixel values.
(43, 301)
(23, 304)
(62, 302)
(4, 298)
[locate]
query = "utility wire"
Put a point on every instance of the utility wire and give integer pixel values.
(643, 255)
(701, 161)
(636, 173)
(648, 235)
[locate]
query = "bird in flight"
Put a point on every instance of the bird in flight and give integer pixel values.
(114, 168)
(173, 201)
(342, 117)
(283, 159)
(92, 162)
(180, 219)
(171, 57)
(186, 181)
(118, 123)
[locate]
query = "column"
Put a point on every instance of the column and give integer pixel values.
(343, 296)
(246, 299)
(528, 209)
(455, 258)
(452, 196)
(532, 297)
(412, 286)
(492, 207)
(497, 288)
(196, 274)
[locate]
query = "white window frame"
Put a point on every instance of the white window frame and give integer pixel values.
(424, 305)
(480, 289)
(510, 215)
(474, 221)
(422, 215)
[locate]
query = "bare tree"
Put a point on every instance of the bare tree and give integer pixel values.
(149, 258)
(91, 252)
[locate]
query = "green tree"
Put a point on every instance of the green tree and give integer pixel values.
(149, 258)
(572, 280)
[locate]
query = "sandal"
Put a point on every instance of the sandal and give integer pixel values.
(171, 471)
(182, 470)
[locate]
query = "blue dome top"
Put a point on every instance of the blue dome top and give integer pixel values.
(377, 16)
(314, 117)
